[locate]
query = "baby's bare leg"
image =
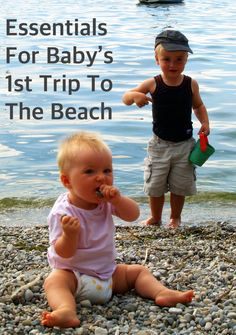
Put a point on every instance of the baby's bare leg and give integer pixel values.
(60, 287)
(138, 277)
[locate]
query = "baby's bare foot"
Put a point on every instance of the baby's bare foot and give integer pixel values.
(170, 298)
(60, 318)
(152, 222)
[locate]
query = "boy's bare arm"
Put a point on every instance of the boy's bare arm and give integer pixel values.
(138, 95)
(201, 114)
(200, 109)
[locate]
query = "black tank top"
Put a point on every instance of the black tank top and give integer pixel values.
(172, 110)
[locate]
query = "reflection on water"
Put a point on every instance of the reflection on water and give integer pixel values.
(28, 147)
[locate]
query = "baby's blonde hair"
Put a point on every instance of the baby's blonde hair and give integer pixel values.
(68, 150)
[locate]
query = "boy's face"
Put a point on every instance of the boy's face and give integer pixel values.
(172, 63)
(85, 176)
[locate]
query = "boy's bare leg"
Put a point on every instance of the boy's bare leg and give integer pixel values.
(156, 205)
(127, 277)
(176, 205)
(60, 287)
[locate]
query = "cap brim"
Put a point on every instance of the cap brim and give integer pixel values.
(176, 47)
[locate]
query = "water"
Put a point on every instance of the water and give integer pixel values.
(28, 147)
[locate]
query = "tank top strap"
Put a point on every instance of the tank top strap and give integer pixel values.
(187, 81)
(158, 82)
(158, 79)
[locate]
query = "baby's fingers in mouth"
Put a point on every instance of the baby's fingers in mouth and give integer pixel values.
(99, 193)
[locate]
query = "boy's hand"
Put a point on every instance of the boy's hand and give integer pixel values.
(141, 99)
(204, 129)
(70, 225)
(110, 193)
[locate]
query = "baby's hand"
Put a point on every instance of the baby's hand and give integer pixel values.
(70, 225)
(110, 193)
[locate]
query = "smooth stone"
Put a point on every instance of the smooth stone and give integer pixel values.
(231, 315)
(100, 331)
(208, 326)
(79, 331)
(174, 310)
(85, 303)
(28, 295)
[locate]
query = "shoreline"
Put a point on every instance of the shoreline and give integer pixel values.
(193, 215)
(201, 209)
(201, 258)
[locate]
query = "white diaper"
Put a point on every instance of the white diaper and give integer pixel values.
(95, 290)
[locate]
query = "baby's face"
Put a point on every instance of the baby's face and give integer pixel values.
(91, 170)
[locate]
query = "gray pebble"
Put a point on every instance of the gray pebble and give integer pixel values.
(174, 310)
(208, 326)
(128, 313)
(232, 315)
(28, 295)
(100, 331)
(85, 303)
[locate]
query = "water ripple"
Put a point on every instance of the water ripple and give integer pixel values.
(29, 146)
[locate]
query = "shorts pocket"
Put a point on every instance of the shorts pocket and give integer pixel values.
(147, 169)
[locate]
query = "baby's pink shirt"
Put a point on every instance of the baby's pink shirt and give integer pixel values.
(95, 255)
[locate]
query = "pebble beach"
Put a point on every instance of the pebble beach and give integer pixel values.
(201, 258)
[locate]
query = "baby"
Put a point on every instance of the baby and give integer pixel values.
(81, 231)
